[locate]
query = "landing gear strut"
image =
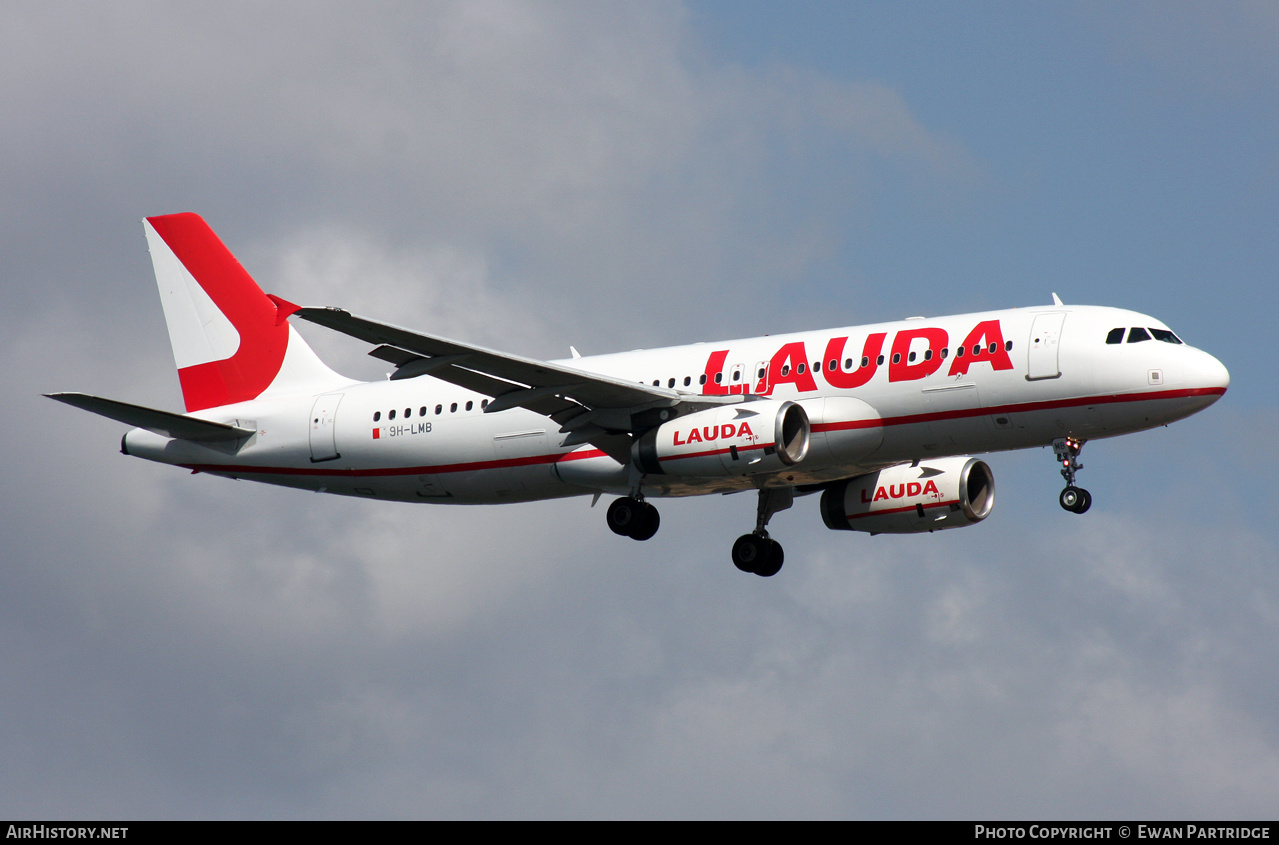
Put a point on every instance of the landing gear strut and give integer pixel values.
(634, 518)
(757, 552)
(1074, 499)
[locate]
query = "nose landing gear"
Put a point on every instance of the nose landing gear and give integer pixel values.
(1074, 499)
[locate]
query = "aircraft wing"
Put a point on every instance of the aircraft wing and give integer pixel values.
(164, 423)
(561, 392)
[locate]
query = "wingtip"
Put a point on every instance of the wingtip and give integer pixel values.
(283, 308)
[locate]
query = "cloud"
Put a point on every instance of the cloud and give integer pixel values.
(529, 176)
(572, 146)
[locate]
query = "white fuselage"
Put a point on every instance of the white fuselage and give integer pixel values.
(1025, 377)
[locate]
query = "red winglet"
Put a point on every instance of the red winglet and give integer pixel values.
(283, 308)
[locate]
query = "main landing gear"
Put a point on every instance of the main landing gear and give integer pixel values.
(634, 518)
(757, 552)
(1074, 499)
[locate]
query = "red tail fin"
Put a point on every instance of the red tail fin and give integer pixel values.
(228, 343)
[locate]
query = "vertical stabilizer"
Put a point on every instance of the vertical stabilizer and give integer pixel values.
(230, 344)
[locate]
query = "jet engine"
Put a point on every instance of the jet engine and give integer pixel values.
(753, 437)
(912, 498)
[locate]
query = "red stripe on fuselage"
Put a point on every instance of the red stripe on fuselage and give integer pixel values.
(382, 472)
(1024, 407)
(471, 466)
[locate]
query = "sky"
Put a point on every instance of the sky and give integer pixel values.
(527, 176)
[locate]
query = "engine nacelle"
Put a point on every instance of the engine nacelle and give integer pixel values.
(912, 498)
(845, 430)
(753, 437)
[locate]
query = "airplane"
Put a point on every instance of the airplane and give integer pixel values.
(881, 420)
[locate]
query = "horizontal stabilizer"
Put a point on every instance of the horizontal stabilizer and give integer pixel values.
(164, 423)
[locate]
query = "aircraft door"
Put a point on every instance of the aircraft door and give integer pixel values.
(323, 428)
(761, 378)
(1045, 342)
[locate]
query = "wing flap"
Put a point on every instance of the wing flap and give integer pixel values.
(164, 423)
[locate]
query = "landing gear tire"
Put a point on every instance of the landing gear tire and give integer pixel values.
(647, 524)
(622, 515)
(632, 518)
(746, 552)
(761, 556)
(1075, 499)
(773, 564)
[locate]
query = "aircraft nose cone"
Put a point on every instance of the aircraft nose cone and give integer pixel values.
(1209, 373)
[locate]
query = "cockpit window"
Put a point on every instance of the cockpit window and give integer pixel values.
(1138, 334)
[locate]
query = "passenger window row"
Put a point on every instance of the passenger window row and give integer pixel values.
(833, 364)
(425, 409)
(657, 382)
